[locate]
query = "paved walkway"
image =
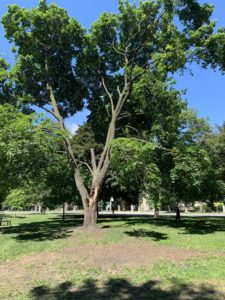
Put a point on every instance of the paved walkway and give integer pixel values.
(126, 213)
(162, 213)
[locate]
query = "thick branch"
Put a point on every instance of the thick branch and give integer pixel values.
(47, 110)
(109, 94)
(77, 176)
(87, 165)
(93, 160)
(109, 139)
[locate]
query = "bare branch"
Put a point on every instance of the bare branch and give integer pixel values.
(118, 90)
(116, 50)
(124, 115)
(134, 35)
(109, 139)
(123, 98)
(93, 160)
(155, 145)
(67, 143)
(85, 164)
(47, 110)
(109, 94)
(131, 127)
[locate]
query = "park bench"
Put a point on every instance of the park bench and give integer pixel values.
(7, 222)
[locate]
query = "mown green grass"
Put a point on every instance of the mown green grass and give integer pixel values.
(201, 277)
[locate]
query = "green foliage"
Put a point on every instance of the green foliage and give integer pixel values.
(213, 52)
(218, 205)
(134, 168)
(5, 83)
(214, 144)
(191, 166)
(194, 15)
(83, 141)
(153, 184)
(27, 146)
(47, 42)
(143, 42)
(17, 199)
(192, 129)
(59, 183)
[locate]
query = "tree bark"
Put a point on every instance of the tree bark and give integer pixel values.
(90, 215)
(156, 212)
(177, 214)
(90, 209)
(63, 215)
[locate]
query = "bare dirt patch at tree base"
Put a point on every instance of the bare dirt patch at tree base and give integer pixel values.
(135, 253)
(44, 266)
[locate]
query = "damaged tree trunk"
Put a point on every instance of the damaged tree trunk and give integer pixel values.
(90, 210)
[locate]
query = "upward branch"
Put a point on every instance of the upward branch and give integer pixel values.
(109, 95)
(77, 176)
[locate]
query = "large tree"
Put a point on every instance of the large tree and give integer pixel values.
(26, 147)
(214, 184)
(58, 65)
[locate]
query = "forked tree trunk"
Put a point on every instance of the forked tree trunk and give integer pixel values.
(98, 168)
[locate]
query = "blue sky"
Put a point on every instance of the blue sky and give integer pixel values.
(205, 89)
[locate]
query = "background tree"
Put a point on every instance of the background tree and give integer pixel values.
(6, 91)
(28, 144)
(16, 200)
(214, 185)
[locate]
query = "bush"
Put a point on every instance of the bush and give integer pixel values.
(218, 205)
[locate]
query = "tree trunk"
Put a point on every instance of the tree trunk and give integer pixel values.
(156, 212)
(178, 214)
(90, 208)
(90, 215)
(63, 214)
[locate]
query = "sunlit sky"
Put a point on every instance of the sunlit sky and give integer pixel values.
(205, 88)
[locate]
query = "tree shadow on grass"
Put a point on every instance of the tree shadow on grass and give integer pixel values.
(119, 288)
(51, 229)
(194, 225)
(189, 225)
(142, 233)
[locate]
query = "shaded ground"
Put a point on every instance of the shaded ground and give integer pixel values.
(51, 229)
(54, 228)
(191, 225)
(122, 289)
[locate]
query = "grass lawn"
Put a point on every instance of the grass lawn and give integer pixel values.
(125, 258)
